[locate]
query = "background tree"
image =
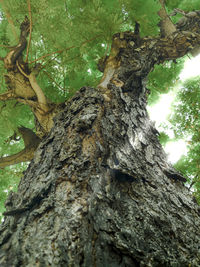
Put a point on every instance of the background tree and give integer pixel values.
(185, 122)
(93, 137)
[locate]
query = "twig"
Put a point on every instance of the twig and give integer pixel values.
(48, 61)
(30, 103)
(29, 41)
(21, 70)
(65, 49)
(50, 77)
(47, 55)
(51, 59)
(2, 107)
(107, 49)
(194, 181)
(63, 89)
(7, 95)
(7, 46)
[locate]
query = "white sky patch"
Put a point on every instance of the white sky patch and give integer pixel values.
(89, 71)
(159, 113)
(191, 68)
(175, 150)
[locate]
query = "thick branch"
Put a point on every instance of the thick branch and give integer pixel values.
(42, 101)
(41, 98)
(30, 103)
(29, 137)
(166, 25)
(171, 47)
(31, 141)
(14, 54)
(26, 154)
(9, 95)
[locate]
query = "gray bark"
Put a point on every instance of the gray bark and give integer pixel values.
(100, 191)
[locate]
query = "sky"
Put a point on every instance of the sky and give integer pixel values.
(174, 149)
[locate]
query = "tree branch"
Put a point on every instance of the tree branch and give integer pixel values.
(166, 25)
(29, 137)
(42, 101)
(65, 49)
(50, 54)
(63, 89)
(29, 42)
(14, 54)
(31, 142)
(30, 103)
(8, 95)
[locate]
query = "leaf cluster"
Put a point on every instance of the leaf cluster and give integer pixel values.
(163, 78)
(185, 121)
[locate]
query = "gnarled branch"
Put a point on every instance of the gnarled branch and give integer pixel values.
(14, 54)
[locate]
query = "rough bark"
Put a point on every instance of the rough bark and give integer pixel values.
(100, 191)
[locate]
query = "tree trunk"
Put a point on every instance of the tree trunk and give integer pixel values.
(100, 191)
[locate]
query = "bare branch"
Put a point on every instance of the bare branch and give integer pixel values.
(166, 25)
(30, 103)
(42, 101)
(29, 137)
(21, 70)
(47, 55)
(13, 55)
(7, 46)
(68, 48)
(63, 89)
(8, 95)
(29, 42)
